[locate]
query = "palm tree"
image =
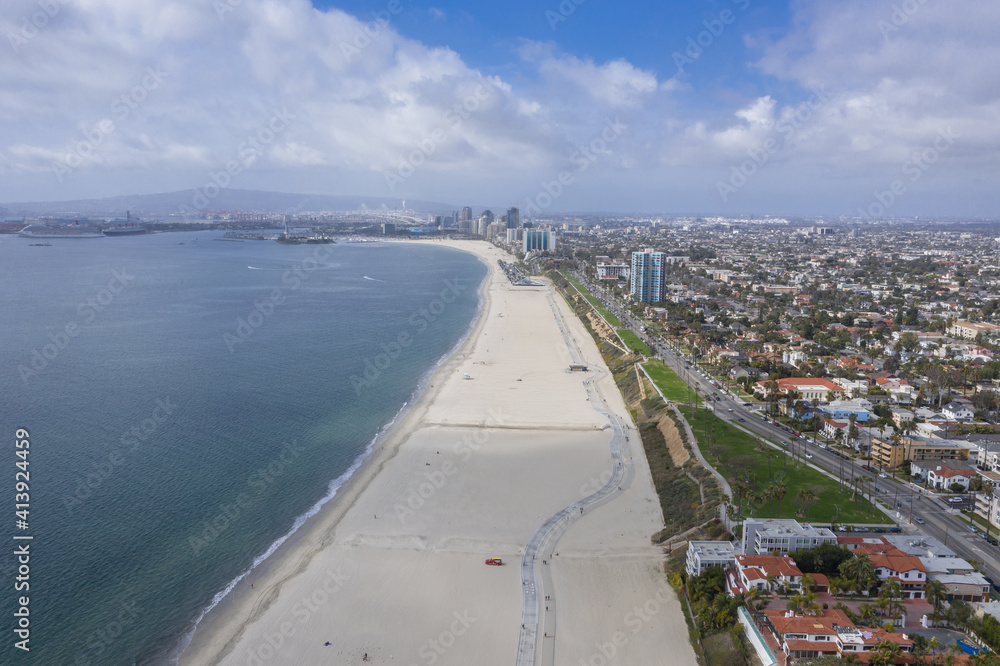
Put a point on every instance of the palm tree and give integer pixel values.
(932, 646)
(936, 594)
(806, 498)
(779, 493)
(859, 569)
(884, 654)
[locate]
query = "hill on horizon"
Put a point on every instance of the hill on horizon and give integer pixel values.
(175, 203)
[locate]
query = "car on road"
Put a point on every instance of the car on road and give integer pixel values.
(883, 475)
(741, 418)
(809, 455)
(919, 520)
(955, 500)
(867, 467)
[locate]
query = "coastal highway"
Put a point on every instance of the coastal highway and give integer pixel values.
(914, 503)
(538, 552)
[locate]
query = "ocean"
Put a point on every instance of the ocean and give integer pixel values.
(189, 402)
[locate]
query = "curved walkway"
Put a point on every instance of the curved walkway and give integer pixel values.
(693, 440)
(543, 541)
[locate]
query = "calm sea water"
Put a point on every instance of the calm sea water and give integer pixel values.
(190, 401)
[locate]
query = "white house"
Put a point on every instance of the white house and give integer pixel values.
(704, 554)
(958, 412)
(944, 477)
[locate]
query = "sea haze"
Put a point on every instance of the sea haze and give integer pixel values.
(209, 395)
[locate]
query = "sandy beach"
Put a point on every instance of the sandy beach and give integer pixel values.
(504, 437)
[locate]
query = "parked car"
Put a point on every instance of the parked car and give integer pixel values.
(867, 467)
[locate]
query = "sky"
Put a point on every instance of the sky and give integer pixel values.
(860, 108)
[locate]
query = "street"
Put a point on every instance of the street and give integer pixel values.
(914, 503)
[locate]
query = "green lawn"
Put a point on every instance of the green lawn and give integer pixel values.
(633, 341)
(735, 446)
(672, 386)
(610, 318)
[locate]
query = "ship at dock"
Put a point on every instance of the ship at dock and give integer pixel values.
(130, 226)
(51, 230)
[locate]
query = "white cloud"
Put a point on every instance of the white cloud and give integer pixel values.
(616, 83)
(365, 98)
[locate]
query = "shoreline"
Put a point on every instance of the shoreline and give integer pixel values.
(393, 570)
(383, 447)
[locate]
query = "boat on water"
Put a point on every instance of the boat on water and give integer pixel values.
(130, 226)
(60, 231)
(125, 231)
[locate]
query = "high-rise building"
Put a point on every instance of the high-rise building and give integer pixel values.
(513, 218)
(466, 214)
(488, 216)
(648, 281)
(536, 239)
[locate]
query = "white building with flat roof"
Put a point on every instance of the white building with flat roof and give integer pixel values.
(704, 554)
(782, 536)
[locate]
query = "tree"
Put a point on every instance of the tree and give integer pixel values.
(779, 493)
(806, 499)
(884, 654)
(860, 570)
(936, 594)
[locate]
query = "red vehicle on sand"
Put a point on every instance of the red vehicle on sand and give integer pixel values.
(495, 561)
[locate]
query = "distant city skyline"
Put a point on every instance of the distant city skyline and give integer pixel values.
(864, 108)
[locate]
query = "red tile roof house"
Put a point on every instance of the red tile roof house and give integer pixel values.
(829, 632)
(943, 477)
(832, 426)
(751, 571)
(907, 569)
(809, 387)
